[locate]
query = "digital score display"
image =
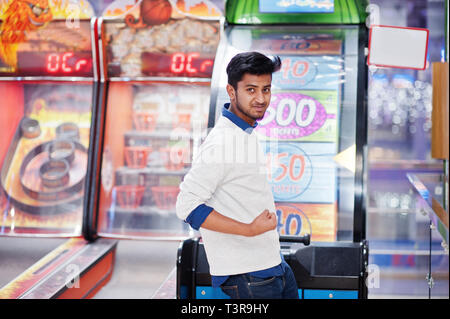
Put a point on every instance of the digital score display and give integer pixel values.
(179, 64)
(74, 64)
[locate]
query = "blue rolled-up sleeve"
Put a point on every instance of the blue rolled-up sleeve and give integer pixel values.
(198, 216)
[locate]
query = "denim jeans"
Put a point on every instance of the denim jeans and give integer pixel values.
(245, 286)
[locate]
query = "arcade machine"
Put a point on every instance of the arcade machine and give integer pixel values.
(157, 61)
(314, 135)
(49, 89)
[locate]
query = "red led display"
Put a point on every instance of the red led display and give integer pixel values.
(178, 64)
(57, 63)
(77, 64)
(182, 62)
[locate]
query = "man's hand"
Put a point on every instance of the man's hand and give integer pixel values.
(263, 222)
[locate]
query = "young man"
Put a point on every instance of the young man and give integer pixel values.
(226, 194)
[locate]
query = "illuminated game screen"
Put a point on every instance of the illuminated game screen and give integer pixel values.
(177, 64)
(54, 64)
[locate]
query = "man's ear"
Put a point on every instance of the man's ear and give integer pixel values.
(231, 92)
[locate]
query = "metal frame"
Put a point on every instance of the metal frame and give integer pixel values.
(359, 210)
(94, 47)
(218, 68)
(86, 228)
(46, 78)
(159, 79)
(100, 49)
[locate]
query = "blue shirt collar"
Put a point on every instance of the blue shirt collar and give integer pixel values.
(237, 120)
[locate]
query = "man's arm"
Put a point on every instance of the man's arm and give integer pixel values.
(198, 186)
(263, 222)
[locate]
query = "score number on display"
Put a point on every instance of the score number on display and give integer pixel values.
(57, 63)
(182, 62)
(178, 64)
(50, 63)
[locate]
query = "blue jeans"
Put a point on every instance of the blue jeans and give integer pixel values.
(245, 286)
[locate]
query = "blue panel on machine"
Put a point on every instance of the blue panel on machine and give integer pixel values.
(330, 294)
(205, 292)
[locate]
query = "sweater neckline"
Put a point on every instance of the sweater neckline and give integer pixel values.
(237, 120)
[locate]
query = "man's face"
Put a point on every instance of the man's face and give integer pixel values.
(251, 98)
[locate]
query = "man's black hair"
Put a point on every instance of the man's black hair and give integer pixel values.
(253, 63)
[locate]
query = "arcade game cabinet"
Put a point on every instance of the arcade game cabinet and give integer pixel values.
(48, 89)
(157, 61)
(314, 135)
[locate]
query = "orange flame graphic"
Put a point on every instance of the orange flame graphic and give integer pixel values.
(20, 17)
(199, 9)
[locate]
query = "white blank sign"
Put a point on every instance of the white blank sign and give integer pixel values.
(398, 47)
